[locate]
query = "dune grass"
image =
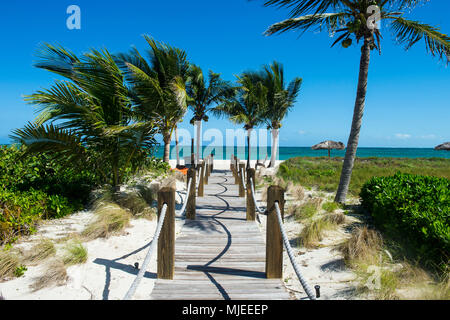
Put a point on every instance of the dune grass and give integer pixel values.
(324, 173)
(383, 276)
(314, 231)
(10, 262)
(75, 253)
(308, 209)
(55, 274)
(110, 219)
(44, 249)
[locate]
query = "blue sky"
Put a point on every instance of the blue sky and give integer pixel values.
(408, 93)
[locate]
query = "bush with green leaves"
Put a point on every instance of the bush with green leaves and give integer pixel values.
(20, 211)
(34, 188)
(20, 172)
(414, 209)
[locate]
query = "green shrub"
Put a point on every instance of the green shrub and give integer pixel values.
(20, 211)
(34, 188)
(413, 208)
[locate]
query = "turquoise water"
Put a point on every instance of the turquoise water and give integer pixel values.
(222, 153)
(285, 153)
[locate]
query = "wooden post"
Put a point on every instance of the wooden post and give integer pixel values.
(212, 162)
(201, 183)
(206, 170)
(190, 198)
(209, 165)
(236, 171)
(274, 241)
(241, 177)
(166, 241)
(251, 211)
(192, 154)
(232, 162)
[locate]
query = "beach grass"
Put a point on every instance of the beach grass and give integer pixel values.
(9, 263)
(55, 274)
(314, 231)
(44, 249)
(110, 219)
(324, 173)
(76, 253)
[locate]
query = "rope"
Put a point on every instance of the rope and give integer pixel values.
(254, 199)
(183, 209)
(141, 273)
(290, 253)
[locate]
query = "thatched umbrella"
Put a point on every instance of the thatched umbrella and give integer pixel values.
(444, 146)
(328, 145)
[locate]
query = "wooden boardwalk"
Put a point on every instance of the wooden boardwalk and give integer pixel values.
(220, 255)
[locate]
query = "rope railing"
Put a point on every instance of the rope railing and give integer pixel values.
(290, 253)
(129, 295)
(183, 209)
(252, 188)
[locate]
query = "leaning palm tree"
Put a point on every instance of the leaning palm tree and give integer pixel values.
(87, 119)
(248, 106)
(359, 20)
(280, 100)
(158, 86)
(203, 95)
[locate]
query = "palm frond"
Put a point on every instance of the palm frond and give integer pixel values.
(410, 32)
(302, 7)
(50, 139)
(330, 21)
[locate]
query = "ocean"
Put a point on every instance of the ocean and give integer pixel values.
(224, 153)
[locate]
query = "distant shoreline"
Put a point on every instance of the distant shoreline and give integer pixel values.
(285, 153)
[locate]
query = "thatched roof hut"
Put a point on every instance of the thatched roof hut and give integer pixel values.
(328, 145)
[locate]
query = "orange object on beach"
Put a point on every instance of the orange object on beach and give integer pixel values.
(183, 171)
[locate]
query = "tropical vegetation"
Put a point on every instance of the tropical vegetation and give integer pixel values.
(248, 106)
(414, 209)
(358, 22)
(281, 97)
(35, 187)
(202, 96)
(158, 87)
(87, 120)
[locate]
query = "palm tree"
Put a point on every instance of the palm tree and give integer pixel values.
(203, 95)
(87, 119)
(158, 86)
(280, 99)
(248, 106)
(357, 20)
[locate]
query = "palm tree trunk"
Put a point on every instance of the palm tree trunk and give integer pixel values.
(198, 124)
(177, 147)
(166, 148)
(273, 157)
(358, 112)
(249, 133)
